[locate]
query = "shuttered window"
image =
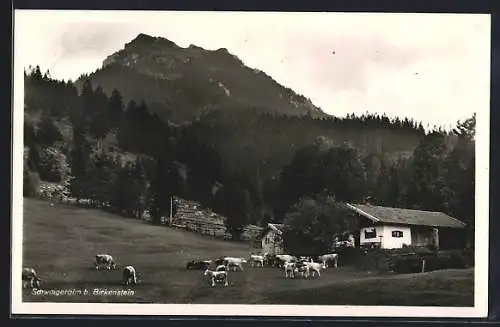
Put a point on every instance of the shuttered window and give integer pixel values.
(371, 233)
(397, 233)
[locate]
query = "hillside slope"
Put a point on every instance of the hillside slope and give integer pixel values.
(61, 242)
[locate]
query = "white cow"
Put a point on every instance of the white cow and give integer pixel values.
(286, 257)
(235, 262)
(329, 257)
(105, 260)
(256, 260)
(129, 275)
(30, 278)
(219, 276)
(314, 267)
(289, 269)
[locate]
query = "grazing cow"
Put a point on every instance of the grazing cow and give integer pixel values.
(278, 262)
(302, 270)
(219, 261)
(217, 276)
(30, 278)
(256, 260)
(105, 260)
(314, 267)
(235, 262)
(282, 258)
(198, 264)
(329, 257)
(286, 257)
(303, 259)
(270, 260)
(289, 269)
(129, 275)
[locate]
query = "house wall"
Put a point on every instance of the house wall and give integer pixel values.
(390, 241)
(269, 245)
(384, 235)
(379, 230)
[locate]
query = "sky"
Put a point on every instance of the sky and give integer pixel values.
(434, 68)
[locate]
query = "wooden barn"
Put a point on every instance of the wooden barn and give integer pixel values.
(272, 242)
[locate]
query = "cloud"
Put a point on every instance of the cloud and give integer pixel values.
(85, 38)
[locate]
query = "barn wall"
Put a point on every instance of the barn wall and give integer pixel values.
(269, 245)
(421, 236)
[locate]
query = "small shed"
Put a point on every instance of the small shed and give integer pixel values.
(272, 241)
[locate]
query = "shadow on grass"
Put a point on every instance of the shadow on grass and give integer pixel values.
(411, 290)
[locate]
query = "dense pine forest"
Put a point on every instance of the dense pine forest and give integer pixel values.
(248, 165)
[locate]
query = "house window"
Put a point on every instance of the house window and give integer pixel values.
(370, 233)
(397, 233)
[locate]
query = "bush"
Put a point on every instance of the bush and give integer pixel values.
(54, 166)
(446, 260)
(407, 263)
(371, 259)
(468, 255)
(31, 184)
(54, 192)
(412, 249)
(404, 260)
(412, 262)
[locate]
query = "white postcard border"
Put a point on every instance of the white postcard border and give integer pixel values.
(480, 308)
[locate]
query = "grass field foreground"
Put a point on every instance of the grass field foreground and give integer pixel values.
(61, 242)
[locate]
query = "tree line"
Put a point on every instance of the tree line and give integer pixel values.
(126, 158)
(438, 176)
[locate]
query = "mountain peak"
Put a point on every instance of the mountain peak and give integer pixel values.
(142, 36)
(147, 40)
(193, 77)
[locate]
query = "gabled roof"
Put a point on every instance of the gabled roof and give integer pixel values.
(405, 216)
(277, 228)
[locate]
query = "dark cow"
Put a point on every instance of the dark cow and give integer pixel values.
(105, 261)
(220, 261)
(198, 264)
(270, 260)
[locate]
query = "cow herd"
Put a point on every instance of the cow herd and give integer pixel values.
(217, 270)
(293, 266)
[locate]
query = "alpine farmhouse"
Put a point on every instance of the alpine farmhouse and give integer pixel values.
(390, 228)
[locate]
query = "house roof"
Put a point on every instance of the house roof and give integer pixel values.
(406, 216)
(277, 228)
